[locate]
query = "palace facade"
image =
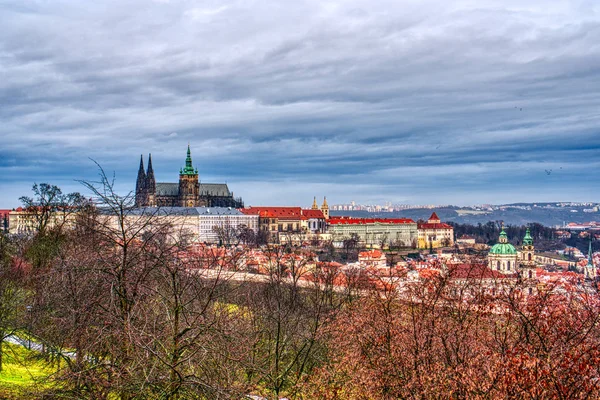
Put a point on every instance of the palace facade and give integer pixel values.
(188, 192)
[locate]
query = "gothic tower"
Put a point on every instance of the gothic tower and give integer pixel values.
(150, 184)
(140, 185)
(528, 257)
(189, 186)
(325, 208)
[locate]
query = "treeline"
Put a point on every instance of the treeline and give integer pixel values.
(124, 310)
(488, 233)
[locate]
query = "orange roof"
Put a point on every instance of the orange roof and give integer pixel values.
(434, 216)
(290, 213)
(370, 254)
(364, 221)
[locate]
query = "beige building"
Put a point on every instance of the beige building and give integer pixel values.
(373, 232)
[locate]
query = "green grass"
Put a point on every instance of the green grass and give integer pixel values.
(22, 370)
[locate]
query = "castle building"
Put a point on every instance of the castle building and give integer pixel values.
(373, 232)
(189, 192)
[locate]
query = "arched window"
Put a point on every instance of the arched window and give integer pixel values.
(529, 257)
(508, 266)
(498, 266)
(530, 274)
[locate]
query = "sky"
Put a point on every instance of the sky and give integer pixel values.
(411, 102)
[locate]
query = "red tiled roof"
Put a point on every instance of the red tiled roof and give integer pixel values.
(364, 221)
(318, 214)
(475, 271)
(434, 216)
(373, 254)
(4, 212)
(427, 225)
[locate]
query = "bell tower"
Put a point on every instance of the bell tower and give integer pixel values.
(528, 257)
(189, 186)
(325, 208)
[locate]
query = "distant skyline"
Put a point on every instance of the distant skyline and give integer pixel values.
(417, 102)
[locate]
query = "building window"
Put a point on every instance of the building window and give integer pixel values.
(498, 265)
(530, 274)
(529, 257)
(508, 266)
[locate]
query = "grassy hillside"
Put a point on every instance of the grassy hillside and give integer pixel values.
(23, 372)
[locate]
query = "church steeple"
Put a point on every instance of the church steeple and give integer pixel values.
(589, 270)
(150, 180)
(315, 206)
(140, 185)
(325, 208)
(527, 240)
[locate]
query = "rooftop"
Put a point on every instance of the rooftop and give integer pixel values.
(365, 221)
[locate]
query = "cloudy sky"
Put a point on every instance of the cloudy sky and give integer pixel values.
(460, 102)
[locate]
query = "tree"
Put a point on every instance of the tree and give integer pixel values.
(13, 297)
(50, 208)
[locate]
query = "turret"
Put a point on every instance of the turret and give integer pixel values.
(140, 185)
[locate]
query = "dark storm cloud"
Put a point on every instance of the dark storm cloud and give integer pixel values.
(424, 101)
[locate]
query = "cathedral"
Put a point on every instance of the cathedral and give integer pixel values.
(189, 192)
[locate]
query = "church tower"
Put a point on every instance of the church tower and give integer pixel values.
(150, 184)
(589, 270)
(528, 257)
(315, 206)
(140, 185)
(503, 256)
(325, 208)
(189, 186)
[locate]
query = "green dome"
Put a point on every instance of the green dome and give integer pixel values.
(503, 247)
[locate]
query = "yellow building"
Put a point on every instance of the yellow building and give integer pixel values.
(434, 233)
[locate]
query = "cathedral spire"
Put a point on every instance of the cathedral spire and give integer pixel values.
(189, 169)
(150, 169)
(141, 173)
(150, 180)
(140, 184)
(315, 206)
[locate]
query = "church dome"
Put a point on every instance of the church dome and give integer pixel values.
(503, 247)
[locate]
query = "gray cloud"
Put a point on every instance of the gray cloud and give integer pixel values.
(415, 101)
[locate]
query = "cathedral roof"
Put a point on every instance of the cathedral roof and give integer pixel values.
(206, 189)
(167, 189)
(183, 211)
(214, 189)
